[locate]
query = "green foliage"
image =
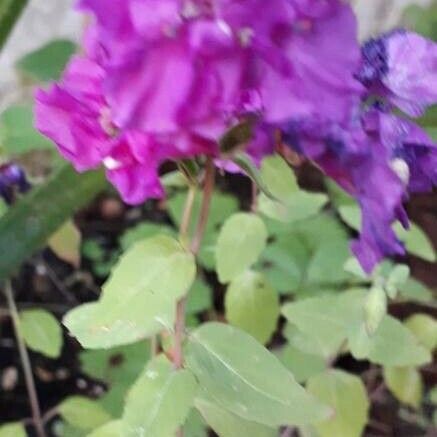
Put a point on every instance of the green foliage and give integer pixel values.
(159, 402)
(17, 134)
(83, 413)
(27, 226)
(15, 429)
(405, 383)
(292, 204)
(424, 328)
(264, 392)
(110, 429)
(65, 243)
(41, 332)
(252, 305)
(136, 302)
(48, 62)
(346, 394)
(10, 11)
(416, 242)
(241, 241)
(227, 424)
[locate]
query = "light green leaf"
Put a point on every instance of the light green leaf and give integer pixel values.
(424, 328)
(242, 239)
(160, 400)
(293, 204)
(65, 243)
(326, 319)
(48, 62)
(416, 241)
(264, 392)
(195, 426)
(17, 133)
(199, 298)
(143, 231)
(375, 308)
(298, 206)
(415, 290)
(301, 364)
(41, 332)
(346, 394)
(253, 305)
(227, 424)
(139, 298)
(392, 345)
(15, 429)
(405, 383)
(83, 413)
(110, 429)
(351, 215)
(396, 278)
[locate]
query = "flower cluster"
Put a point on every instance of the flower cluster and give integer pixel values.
(164, 80)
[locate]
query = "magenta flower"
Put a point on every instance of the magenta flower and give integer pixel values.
(401, 66)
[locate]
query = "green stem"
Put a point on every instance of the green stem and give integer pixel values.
(25, 361)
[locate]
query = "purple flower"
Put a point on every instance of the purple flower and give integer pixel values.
(401, 66)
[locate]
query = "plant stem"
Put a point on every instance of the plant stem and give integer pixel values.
(25, 361)
(188, 210)
(208, 189)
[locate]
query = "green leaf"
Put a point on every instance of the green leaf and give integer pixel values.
(326, 319)
(416, 242)
(424, 328)
(351, 215)
(264, 392)
(396, 278)
(241, 241)
(392, 345)
(26, 226)
(292, 204)
(65, 243)
(346, 394)
(227, 424)
(17, 133)
(83, 413)
(110, 429)
(14, 429)
(415, 290)
(41, 332)
(139, 298)
(160, 400)
(143, 231)
(405, 383)
(195, 426)
(10, 11)
(48, 62)
(375, 308)
(252, 305)
(301, 364)
(199, 298)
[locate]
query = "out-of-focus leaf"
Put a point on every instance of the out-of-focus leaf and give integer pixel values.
(14, 429)
(143, 231)
(252, 305)
(264, 392)
(110, 429)
(199, 297)
(301, 364)
(83, 413)
(326, 319)
(48, 62)
(405, 383)
(65, 242)
(346, 394)
(17, 134)
(138, 299)
(159, 401)
(416, 242)
(26, 226)
(10, 11)
(242, 239)
(424, 327)
(195, 426)
(415, 290)
(392, 345)
(41, 332)
(227, 424)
